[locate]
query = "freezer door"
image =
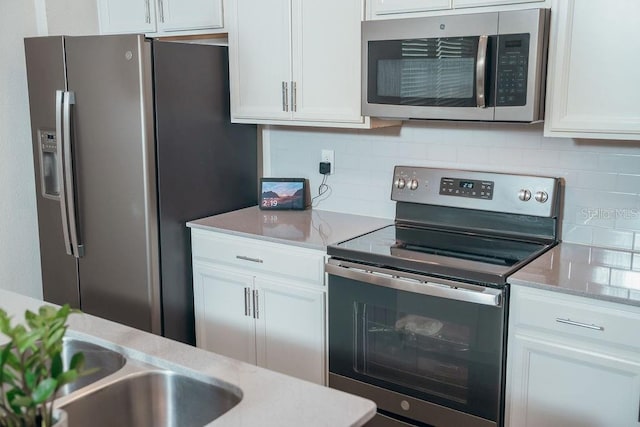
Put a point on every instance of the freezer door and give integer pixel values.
(113, 146)
(206, 164)
(45, 76)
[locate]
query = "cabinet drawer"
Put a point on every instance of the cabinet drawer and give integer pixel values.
(260, 257)
(603, 321)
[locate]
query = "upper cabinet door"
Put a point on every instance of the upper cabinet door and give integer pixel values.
(478, 3)
(180, 15)
(382, 7)
(326, 60)
(259, 59)
(127, 16)
(594, 63)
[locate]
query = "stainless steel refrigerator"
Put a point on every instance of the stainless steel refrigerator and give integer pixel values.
(131, 139)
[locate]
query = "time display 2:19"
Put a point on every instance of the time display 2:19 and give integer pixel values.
(466, 184)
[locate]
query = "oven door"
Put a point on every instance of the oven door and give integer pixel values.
(424, 349)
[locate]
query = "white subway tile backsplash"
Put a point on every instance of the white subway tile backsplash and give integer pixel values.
(609, 238)
(622, 163)
(602, 178)
(628, 183)
(574, 233)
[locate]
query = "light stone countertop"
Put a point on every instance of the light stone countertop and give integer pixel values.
(269, 399)
(606, 274)
(311, 228)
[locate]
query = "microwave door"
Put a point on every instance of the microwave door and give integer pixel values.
(434, 78)
(430, 68)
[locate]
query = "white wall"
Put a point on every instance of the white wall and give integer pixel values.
(602, 200)
(19, 248)
(19, 251)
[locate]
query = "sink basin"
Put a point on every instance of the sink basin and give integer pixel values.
(153, 399)
(104, 360)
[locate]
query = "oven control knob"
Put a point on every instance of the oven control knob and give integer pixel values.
(542, 196)
(524, 195)
(405, 405)
(400, 183)
(413, 184)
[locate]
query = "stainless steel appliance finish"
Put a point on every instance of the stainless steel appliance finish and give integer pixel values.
(131, 139)
(417, 310)
(484, 66)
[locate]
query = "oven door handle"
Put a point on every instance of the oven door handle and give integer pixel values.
(415, 283)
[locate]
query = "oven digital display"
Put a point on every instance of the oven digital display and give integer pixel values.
(460, 187)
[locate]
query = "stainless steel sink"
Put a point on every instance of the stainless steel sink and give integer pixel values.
(105, 362)
(152, 399)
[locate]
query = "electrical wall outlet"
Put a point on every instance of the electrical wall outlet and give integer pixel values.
(328, 156)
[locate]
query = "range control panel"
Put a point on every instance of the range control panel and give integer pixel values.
(489, 191)
(466, 188)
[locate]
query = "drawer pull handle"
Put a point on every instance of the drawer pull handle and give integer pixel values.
(246, 258)
(580, 324)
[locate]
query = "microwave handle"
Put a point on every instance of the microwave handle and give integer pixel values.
(481, 71)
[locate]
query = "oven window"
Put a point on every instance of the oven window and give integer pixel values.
(444, 351)
(416, 351)
(425, 72)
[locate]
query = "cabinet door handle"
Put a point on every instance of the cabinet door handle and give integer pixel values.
(247, 258)
(285, 96)
(256, 310)
(148, 11)
(161, 6)
(294, 96)
(579, 324)
(247, 303)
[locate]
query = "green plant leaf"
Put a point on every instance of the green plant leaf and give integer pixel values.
(44, 390)
(56, 365)
(11, 359)
(67, 377)
(27, 339)
(17, 399)
(77, 361)
(54, 340)
(30, 379)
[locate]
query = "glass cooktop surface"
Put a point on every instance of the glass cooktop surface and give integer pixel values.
(459, 255)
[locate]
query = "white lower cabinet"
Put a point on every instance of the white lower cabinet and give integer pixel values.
(572, 361)
(250, 307)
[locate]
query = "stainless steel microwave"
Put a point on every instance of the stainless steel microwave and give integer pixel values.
(484, 66)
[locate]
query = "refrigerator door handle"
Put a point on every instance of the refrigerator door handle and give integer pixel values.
(63, 192)
(68, 99)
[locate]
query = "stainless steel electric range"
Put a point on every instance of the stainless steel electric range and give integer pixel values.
(418, 310)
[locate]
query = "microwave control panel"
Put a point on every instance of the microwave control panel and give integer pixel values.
(512, 70)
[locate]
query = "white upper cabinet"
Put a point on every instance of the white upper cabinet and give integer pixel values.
(594, 62)
(379, 8)
(260, 60)
(296, 62)
(181, 15)
(126, 16)
(160, 16)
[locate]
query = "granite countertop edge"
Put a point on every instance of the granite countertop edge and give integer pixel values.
(270, 399)
(310, 228)
(305, 245)
(574, 269)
